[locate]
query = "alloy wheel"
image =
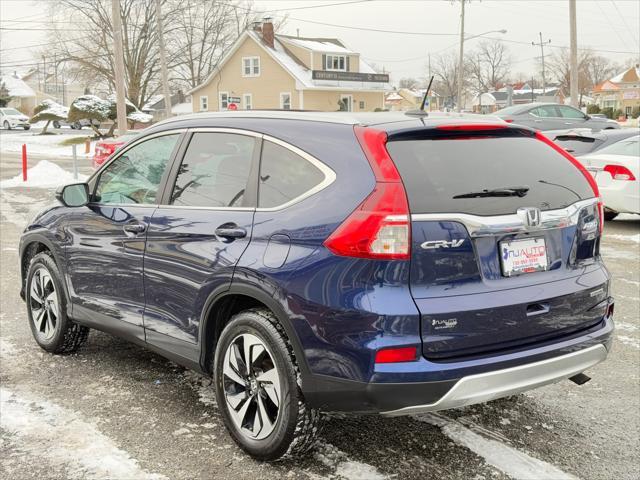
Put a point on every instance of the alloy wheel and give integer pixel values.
(252, 386)
(44, 303)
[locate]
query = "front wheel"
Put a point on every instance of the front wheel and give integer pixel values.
(610, 215)
(257, 389)
(7, 125)
(47, 308)
(56, 124)
(77, 125)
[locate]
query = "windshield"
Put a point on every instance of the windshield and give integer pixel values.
(11, 111)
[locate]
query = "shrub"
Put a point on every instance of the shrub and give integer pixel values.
(48, 111)
(593, 108)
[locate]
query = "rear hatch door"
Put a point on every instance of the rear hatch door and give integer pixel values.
(501, 224)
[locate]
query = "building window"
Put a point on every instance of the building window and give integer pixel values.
(250, 66)
(204, 103)
(285, 101)
(361, 104)
(224, 100)
(247, 99)
(335, 62)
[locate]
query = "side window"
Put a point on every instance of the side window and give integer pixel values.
(284, 176)
(135, 176)
(214, 170)
(546, 111)
(568, 112)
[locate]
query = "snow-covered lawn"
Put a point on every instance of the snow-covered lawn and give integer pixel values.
(43, 144)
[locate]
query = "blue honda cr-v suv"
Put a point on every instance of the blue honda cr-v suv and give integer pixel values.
(331, 262)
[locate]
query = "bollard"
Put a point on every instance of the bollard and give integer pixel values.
(87, 145)
(24, 162)
(75, 161)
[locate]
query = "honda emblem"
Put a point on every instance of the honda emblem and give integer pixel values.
(531, 216)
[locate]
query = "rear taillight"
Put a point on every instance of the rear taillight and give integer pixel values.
(619, 172)
(379, 228)
(579, 166)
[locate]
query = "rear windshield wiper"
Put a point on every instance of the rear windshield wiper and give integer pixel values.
(496, 192)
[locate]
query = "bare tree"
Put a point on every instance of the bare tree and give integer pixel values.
(201, 33)
(598, 69)
(409, 83)
(445, 70)
(488, 65)
(560, 68)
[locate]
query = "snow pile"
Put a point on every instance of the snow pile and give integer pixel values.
(344, 467)
(139, 117)
(44, 175)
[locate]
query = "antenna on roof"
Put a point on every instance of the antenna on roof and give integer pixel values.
(420, 112)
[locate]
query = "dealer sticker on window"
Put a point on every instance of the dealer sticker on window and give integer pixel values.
(523, 256)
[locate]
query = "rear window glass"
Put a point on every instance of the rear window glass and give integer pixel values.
(435, 171)
(577, 145)
(624, 147)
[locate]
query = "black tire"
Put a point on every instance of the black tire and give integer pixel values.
(56, 124)
(296, 426)
(7, 125)
(27, 127)
(67, 336)
(77, 125)
(610, 215)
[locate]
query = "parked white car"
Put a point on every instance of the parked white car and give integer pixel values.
(616, 169)
(12, 118)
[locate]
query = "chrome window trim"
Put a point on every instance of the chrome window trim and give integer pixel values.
(481, 226)
(329, 175)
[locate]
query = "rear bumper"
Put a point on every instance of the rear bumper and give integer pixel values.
(510, 381)
(424, 386)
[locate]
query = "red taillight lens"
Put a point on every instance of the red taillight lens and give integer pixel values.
(395, 355)
(619, 172)
(579, 166)
(379, 228)
(472, 127)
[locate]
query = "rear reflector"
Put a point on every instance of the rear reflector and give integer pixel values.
(379, 228)
(473, 127)
(619, 172)
(579, 166)
(396, 355)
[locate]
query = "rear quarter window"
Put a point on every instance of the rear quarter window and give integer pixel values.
(434, 171)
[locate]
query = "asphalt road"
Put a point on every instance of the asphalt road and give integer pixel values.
(115, 410)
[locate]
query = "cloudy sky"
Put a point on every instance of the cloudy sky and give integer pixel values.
(608, 26)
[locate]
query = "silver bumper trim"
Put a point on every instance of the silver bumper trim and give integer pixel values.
(510, 381)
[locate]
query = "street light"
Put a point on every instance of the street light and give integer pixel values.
(461, 59)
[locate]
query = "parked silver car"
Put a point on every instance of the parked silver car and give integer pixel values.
(553, 116)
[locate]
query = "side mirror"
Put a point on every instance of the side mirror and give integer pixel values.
(74, 195)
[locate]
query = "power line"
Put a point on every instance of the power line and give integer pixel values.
(625, 23)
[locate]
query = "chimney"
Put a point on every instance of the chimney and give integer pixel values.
(256, 27)
(267, 32)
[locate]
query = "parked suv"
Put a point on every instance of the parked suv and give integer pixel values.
(328, 262)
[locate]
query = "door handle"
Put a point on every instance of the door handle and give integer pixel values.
(134, 228)
(230, 230)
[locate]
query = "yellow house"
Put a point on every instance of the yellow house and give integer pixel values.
(263, 70)
(620, 92)
(406, 99)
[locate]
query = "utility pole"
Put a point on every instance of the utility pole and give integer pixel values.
(461, 59)
(163, 63)
(118, 51)
(573, 77)
(541, 45)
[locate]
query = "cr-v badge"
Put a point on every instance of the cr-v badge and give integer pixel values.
(431, 244)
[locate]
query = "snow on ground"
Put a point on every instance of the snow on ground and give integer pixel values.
(65, 439)
(44, 174)
(345, 468)
(513, 462)
(626, 238)
(42, 144)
